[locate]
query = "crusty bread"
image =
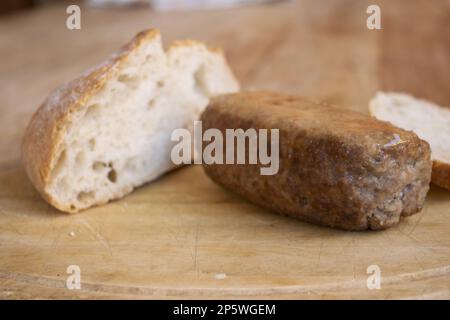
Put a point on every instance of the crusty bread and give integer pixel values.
(427, 120)
(108, 131)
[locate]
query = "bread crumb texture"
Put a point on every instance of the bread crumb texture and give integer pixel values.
(101, 135)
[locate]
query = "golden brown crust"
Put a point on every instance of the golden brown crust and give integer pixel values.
(191, 43)
(441, 174)
(41, 143)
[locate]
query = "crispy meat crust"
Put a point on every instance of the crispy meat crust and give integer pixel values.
(338, 168)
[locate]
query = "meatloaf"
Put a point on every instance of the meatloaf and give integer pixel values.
(337, 167)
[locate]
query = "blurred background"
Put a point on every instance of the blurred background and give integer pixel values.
(321, 49)
(12, 5)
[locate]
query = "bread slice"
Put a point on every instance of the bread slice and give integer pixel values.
(429, 121)
(103, 134)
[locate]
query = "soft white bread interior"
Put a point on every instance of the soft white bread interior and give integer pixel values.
(429, 121)
(108, 131)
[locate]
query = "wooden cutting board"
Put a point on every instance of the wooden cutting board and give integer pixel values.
(185, 237)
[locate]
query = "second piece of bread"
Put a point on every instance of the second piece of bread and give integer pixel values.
(429, 121)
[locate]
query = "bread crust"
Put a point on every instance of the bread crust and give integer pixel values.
(338, 168)
(41, 146)
(441, 174)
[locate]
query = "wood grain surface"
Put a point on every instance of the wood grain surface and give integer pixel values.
(185, 237)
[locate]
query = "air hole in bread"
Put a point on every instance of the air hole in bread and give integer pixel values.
(123, 77)
(131, 81)
(86, 196)
(80, 159)
(92, 142)
(112, 175)
(126, 78)
(151, 103)
(92, 111)
(98, 166)
(160, 83)
(199, 81)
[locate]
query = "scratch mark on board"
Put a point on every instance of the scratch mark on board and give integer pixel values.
(97, 235)
(196, 265)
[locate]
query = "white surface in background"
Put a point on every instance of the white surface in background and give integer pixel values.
(165, 5)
